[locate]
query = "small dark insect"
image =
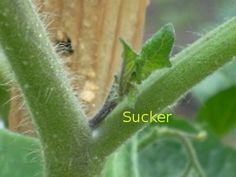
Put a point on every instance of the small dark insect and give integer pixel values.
(109, 105)
(101, 115)
(64, 47)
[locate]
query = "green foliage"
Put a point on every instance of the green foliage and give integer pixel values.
(166, 157)
(158, 158)
(20, 156)
(73, 149)
(155, 54)
(128, 68)
(216, 94)
(123, 162)
(162, 88)
(218, 111)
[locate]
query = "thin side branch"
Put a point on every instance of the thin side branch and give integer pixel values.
(163, 88)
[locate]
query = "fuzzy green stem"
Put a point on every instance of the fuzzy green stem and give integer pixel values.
(62, 127)
(163, 88)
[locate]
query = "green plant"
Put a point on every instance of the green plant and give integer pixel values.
(69, 146)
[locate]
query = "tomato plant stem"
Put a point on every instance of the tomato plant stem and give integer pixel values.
(62, 126)
(164, 87)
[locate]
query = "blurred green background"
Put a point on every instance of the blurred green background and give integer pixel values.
(211, 106)
(191, 18)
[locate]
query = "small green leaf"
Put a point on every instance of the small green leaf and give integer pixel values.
(155, 54)
(156, 51)
(128, 67)
(19, 156)
(219, 111)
